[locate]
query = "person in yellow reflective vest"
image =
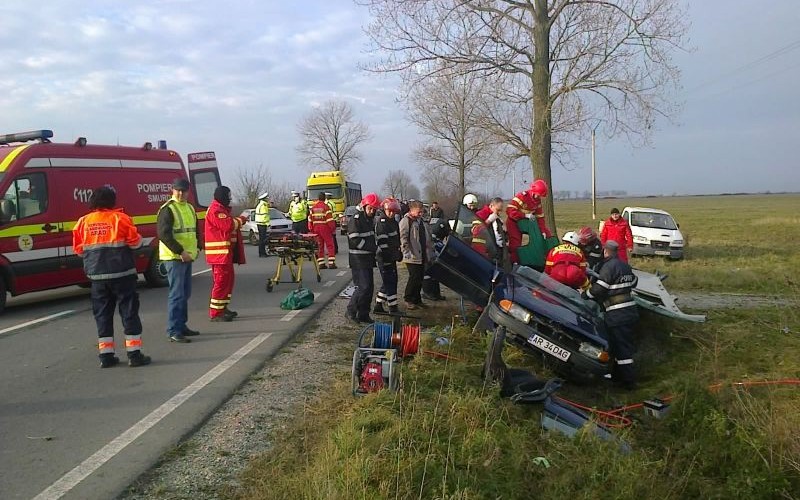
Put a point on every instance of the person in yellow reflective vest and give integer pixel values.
(298, 213)
(177, 247)
(262, 223)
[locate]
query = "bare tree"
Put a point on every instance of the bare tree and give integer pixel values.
(448, 108)
(330, 137)
(250, 183)
(399, 185)
(557, 64)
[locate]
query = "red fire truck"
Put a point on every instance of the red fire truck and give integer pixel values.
(45, 188)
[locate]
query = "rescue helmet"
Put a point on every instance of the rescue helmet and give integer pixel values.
(586, 235)
(263, 196)
(295, 193)
(391, 204)
(571, 237)
(539, 187)
(469, 199)
(371, 200)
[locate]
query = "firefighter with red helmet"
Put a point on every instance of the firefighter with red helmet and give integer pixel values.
(362, 248)
(526, 205)
(616, 228)
(105, 238)
(223, 247)
(320, 220)
(565, 263)
(591, 246)
(387, 236)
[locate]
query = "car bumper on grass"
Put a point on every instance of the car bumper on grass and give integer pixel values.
(577, 363)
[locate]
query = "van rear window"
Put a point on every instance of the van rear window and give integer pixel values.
(204, 184)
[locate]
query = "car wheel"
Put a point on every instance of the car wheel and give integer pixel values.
(253, 237)
(156, 274)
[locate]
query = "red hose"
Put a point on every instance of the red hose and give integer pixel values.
(607, 417)
(409, 340)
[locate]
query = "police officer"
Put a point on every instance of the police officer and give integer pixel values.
(612, 288)
(262, 223)
(387, 236)
(298, 213)
(105, 238)
(362, 243)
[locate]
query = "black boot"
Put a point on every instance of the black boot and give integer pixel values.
(378, 308)
(108, 360)
(138, 359)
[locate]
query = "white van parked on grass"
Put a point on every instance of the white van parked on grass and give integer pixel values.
(655, 232)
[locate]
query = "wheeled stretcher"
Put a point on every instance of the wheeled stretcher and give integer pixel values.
(292, 250)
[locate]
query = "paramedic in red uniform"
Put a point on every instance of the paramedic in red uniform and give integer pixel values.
(526, 204)
(489, 237)
(105, 238)
(223, 247)
(320, 220)
(616, 228)
(566, 263)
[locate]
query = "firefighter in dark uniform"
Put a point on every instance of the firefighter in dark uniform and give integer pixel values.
(362, 248)
(590, 244)
(106, 238)
(612, 288)
(387, 236)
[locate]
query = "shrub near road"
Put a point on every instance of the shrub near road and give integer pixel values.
(447, 435)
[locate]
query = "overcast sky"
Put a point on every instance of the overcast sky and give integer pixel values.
(236, 76)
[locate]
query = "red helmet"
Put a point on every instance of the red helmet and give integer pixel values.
(371, 200)
(539, 187)
(586, 234)
(391, 204)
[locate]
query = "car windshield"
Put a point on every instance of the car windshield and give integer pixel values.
(653, 220)
(571, 297)
(274, 213)
(334, 189)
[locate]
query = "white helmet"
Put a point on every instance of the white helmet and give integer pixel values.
(470, 199)
(263, 196)
(571, 237)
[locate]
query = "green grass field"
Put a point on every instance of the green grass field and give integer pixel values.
(737, 243)
(448, 435)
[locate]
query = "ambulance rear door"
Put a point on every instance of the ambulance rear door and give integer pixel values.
(204, 176)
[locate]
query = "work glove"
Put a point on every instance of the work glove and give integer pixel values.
(531, 216)
(491, 218)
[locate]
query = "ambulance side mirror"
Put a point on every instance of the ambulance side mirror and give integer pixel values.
(7, 211)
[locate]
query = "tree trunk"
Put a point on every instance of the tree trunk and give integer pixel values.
(541, 136)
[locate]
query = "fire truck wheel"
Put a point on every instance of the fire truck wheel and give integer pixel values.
(156, 274)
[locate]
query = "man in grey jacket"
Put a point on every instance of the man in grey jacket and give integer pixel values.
(417, 248)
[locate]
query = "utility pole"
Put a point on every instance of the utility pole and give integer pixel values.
(594, 177)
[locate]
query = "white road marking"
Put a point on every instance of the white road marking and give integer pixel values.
(290, 315)
(201, 272)
(329, 283)
(109, 451)
(36, 321)
(341, 273)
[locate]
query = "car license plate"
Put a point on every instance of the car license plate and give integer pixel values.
(662, 252)
(549, 347)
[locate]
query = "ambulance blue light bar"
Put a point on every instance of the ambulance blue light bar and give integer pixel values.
(33, 135)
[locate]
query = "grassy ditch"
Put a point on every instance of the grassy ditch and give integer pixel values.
(448, 435)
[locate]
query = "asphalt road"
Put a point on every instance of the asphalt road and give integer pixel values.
(69, 429)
